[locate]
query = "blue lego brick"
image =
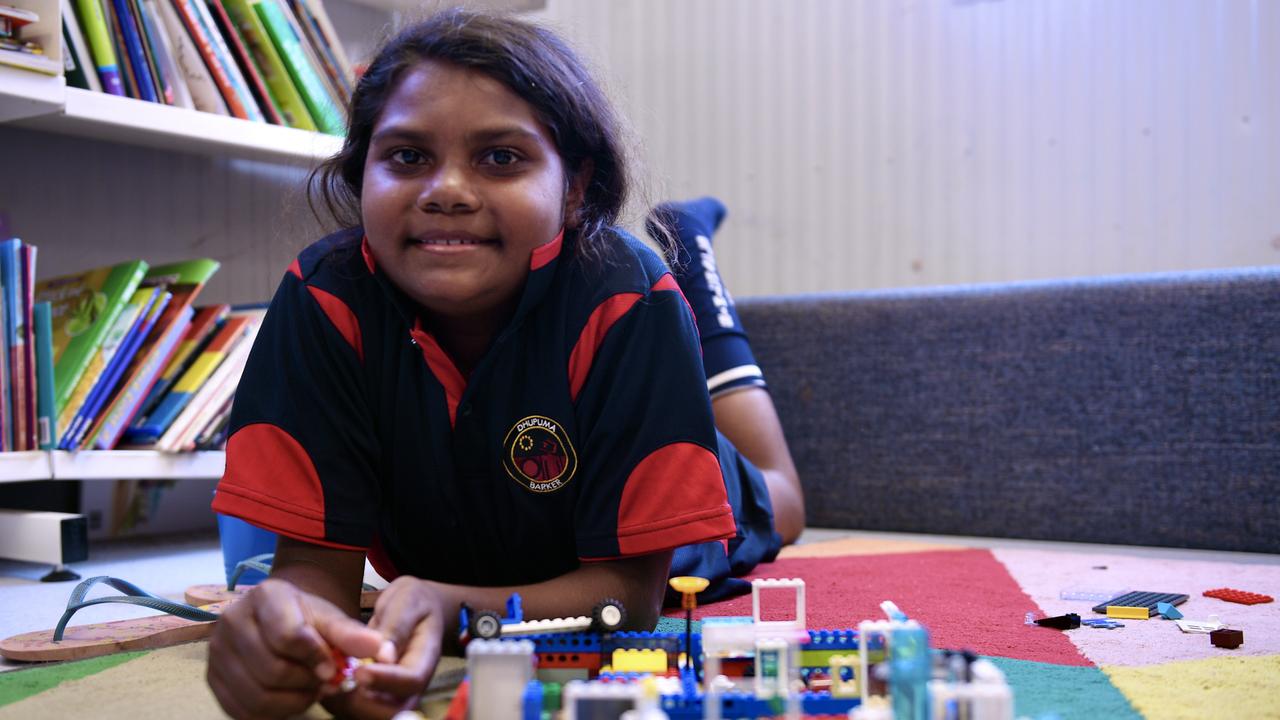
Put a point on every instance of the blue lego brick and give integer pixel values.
(822, 703)
(531, 703)
(831, 640)
(576, 642)
(670, 642)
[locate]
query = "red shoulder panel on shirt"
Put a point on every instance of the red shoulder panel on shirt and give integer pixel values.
(367, 252)
(295, 268)
(546, 252)
(674, 497)
(342, 318)
(271, 482)
(584, 351)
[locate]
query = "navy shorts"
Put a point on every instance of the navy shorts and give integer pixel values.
(755, 542)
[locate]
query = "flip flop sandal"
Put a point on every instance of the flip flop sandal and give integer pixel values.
(205, 594)
(183, 623)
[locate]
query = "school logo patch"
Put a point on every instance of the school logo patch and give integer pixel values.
(538, 455)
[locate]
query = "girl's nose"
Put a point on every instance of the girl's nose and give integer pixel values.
(448, 191)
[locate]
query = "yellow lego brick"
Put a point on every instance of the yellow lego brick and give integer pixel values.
(822, 658)
(1128, 613)
(640, 661)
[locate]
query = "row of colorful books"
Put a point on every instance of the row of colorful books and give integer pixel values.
(119, 356)
(276, 61)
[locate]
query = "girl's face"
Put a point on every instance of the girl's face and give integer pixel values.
(461, 183)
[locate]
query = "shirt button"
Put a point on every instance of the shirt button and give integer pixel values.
(465, 410)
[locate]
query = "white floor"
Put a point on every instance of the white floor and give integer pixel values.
(167, 565)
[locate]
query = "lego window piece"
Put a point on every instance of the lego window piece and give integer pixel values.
(1199, 626)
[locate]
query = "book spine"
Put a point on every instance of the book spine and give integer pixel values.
(128, 403)
(29, 344)
(165, 54)
(204, 91)
(42, 315)
(128, 75)
(96, 34)
(235, 81)
(326, 116)
(247, 67)
(137, 54)
(77, 62)
(15, 337)
(154, 51)
(217, 68)
(279, 84)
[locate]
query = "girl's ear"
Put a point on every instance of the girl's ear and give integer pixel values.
(576, 193)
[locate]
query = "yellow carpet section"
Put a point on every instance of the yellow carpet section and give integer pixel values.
(1228, 687)
(861, 546)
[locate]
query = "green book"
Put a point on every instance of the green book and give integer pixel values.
(270, 66)
(83, 307)
(46, 418)
(326, 115)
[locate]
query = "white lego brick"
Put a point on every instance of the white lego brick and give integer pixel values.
(498, 671)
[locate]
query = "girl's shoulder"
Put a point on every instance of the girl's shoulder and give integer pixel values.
(623, 264)
(332, 258)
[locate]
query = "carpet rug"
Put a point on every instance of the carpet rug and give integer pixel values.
(967, 598)
(978, 599)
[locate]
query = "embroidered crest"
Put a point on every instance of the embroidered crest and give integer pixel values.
(538, 455)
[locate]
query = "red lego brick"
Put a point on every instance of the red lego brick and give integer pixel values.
(1238, 596)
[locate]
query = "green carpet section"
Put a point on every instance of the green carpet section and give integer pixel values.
(18, 684)
(1064, 692)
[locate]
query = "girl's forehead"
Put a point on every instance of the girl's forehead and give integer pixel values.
(436, 88)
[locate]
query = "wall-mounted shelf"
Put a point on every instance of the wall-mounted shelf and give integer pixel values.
(110, 465)
(135, 122)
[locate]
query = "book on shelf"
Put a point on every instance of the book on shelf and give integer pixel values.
(215, 391)
(184, 280)
(84, 306)
(204, 92)
(292, 109)
(248, 68)
(314, 20)
(198, 22)
(136, 54)
(87, 390)
(152, 305)
(14, 50)
(15, 343)
(128, 74)
(315, 93)
(170, 83)
(199, 332)
(192, 381)
(29, 254)
(98, 36)
(46, 418)
(77, 61)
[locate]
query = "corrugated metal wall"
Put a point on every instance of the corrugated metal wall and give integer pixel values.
(875, 143)
(858, 143)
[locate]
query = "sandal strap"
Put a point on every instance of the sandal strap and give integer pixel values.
(134, 595)
(261, 563)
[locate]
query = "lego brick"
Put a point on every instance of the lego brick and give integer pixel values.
(1238, 596)
(1128, 613)
(1070, 621)
(1227, 638)
(1142, 598)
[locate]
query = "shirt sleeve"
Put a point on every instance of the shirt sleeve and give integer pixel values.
(302, 451)
(651, 477)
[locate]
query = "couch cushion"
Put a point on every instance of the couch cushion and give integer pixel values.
(1137, 409)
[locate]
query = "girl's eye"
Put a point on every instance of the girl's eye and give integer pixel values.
(501, 157)
(407, 156)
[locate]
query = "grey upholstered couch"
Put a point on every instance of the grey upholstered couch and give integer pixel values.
(1136, 410)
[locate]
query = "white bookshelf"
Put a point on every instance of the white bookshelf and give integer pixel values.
(110, 465)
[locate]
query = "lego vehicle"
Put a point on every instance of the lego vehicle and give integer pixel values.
(608, 615)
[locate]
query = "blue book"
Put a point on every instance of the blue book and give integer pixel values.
(46, 407)
(137, 54)
(11, 279)
(102, 389)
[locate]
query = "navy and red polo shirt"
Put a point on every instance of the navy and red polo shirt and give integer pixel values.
(584, 434)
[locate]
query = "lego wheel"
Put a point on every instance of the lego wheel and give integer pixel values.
(486, 625)
(609, 615)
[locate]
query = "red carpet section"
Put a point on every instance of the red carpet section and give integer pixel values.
(965, 598)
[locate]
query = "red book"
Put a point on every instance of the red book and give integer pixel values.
(204, 44)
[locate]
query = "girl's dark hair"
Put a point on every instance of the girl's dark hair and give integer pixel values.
(537, 66)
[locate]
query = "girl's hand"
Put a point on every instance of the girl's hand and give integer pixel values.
(270, 655)
(410, 614)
